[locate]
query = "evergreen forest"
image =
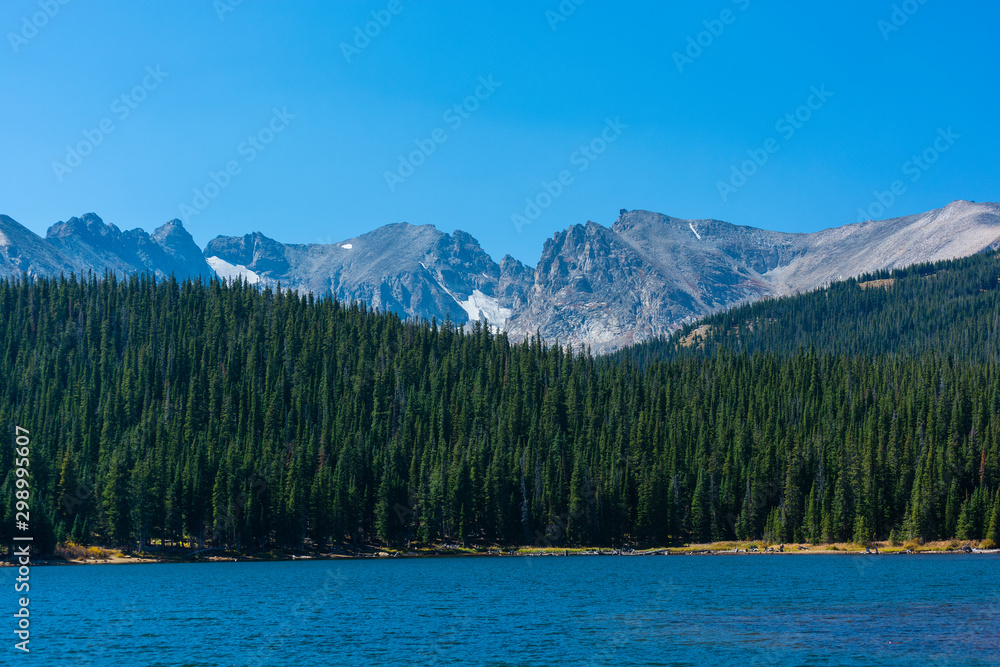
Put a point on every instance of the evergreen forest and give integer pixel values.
(228, 415)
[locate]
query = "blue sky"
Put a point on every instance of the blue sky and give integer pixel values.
(285, 118)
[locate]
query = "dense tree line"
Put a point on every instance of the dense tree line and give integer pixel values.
(250, 418)
(950, 307)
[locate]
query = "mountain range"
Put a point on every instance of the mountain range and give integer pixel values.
(606, 287)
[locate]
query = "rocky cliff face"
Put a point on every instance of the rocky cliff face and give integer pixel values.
(22, 252)
(410, 270)
(642, 277)
(605, 287)
(87, 243)
(649, 273)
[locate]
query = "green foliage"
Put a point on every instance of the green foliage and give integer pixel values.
(227, 415)
(950, 307)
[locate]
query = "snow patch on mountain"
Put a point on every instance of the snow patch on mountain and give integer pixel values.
(480, 306)
(224, 269)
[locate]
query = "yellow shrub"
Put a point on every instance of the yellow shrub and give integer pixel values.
(71, 551)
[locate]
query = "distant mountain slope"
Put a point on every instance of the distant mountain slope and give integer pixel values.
(407, 269)
(644, 277)
(612, 287)
(24, 252)
(606, 287)
(950, 308)
(650, 273)
(960, 229)
(87, 244)
(335, 425)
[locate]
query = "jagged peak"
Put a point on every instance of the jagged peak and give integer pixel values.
(257, 238)
(88, 224)
(172, 229)
(464, 237)
(174, 223)
(640, 217)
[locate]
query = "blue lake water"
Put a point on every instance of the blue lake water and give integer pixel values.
(676, 610)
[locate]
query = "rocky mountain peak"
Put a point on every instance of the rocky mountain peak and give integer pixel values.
(89, 226)
(172, 229)
(88, 244)
(255, 251)
(606, 287)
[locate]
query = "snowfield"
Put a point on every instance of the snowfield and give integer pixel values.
(224, 269)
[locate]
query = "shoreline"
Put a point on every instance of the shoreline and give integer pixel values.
(146, 558)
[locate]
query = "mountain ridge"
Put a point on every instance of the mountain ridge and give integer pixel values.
(948, 309)
(87, 243)
(644, 276)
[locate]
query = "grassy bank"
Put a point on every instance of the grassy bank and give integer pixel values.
(80, 555)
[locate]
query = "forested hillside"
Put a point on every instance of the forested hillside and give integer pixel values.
(950, 308)
(254, 418)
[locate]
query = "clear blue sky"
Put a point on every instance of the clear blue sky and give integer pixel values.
(322, 177)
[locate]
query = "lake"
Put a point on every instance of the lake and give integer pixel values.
(819, 609)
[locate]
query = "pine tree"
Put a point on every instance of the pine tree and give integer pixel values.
(701, 528)
(116, 498)
(993, 533)
(257, 418)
